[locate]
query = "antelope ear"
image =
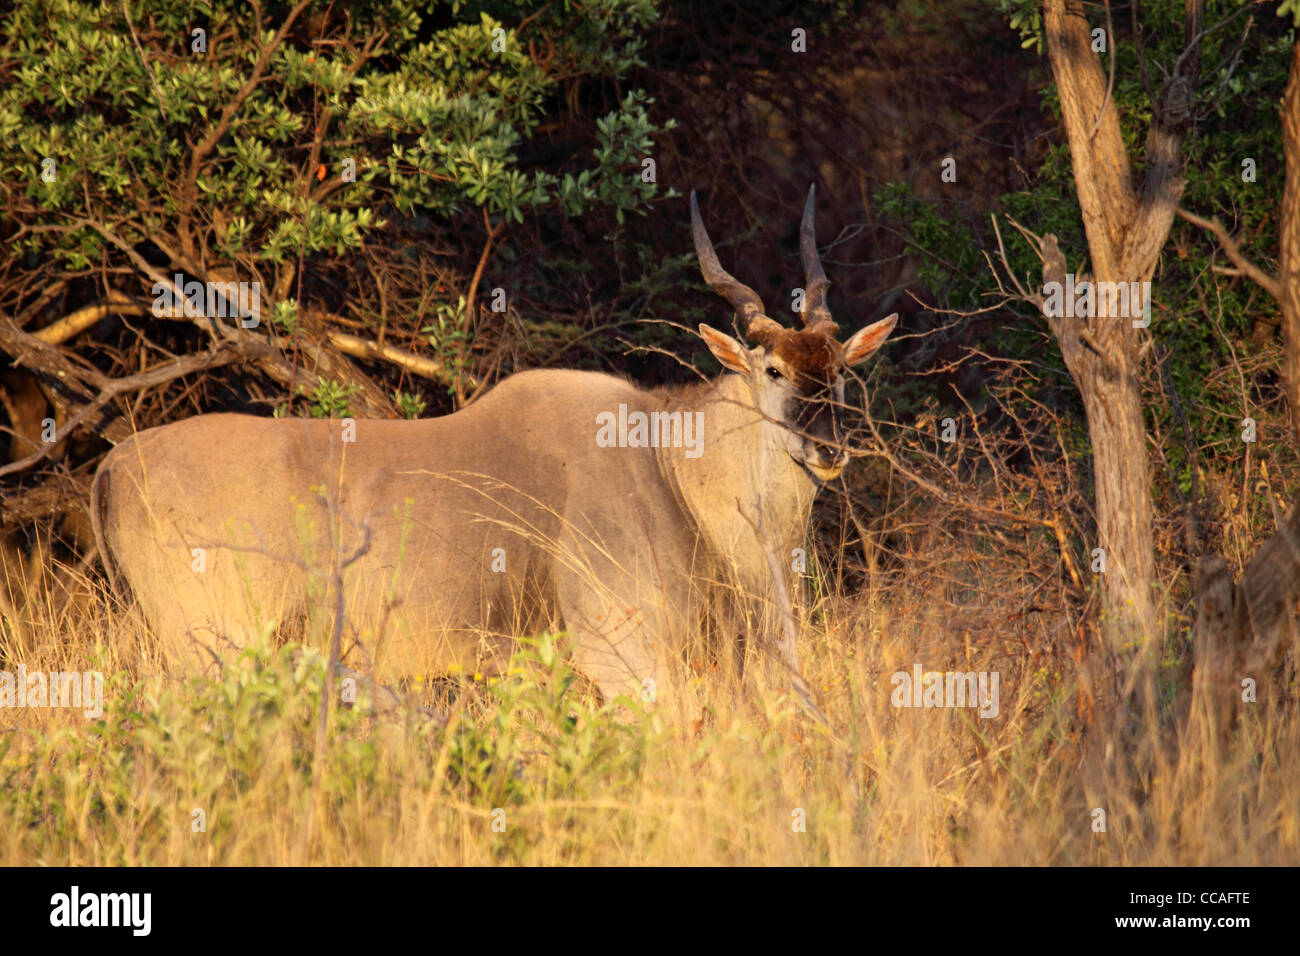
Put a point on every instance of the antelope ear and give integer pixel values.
(726, 350)
(864, 342)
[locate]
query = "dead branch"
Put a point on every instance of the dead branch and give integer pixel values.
(75, 323)
(1268, 283)
(361, 348)
(222, 354)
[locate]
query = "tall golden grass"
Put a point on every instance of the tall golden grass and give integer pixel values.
(533, 770)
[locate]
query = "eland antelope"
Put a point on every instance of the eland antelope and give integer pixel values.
(561, 499)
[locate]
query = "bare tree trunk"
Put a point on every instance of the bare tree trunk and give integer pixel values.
(1126, 225)
(1287, 290)
(1104, 371)
(1243, 629)
(1123, 500)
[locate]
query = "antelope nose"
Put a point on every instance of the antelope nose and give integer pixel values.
(830, 456)
(827, 463)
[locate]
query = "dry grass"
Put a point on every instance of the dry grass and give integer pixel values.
(578, 784)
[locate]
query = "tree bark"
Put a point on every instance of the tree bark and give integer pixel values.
(1242, 630)
(1103, 367)
(1126, 225)
(1287, 289)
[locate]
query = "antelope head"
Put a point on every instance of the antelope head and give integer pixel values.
(796, 376)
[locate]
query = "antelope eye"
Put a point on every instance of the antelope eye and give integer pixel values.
(774, 373)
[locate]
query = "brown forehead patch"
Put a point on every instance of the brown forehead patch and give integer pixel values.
(812, 356)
